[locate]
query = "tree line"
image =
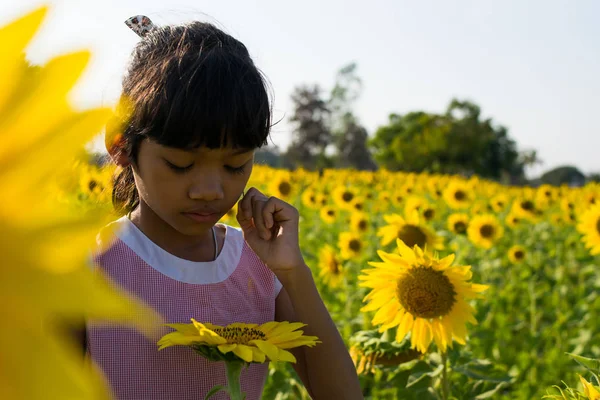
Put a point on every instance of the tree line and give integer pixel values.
(327, 134)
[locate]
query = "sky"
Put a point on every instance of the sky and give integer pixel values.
(532, 66)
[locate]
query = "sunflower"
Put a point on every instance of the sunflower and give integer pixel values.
(589, 227)
(251, 343)
(359, 222)
(310, 199)
(516, 254)
(512, 220)
(458, 223)
(351, 245)
(358, 204)
(590, 391)
(499, 202)
(458, 194)
(410, 231)
(330, 267)
(328, 214)
(343, 197)
(414, 203)
(281, 186)
(484, 230)
(421, 294)
(45, 281)
(525, 208)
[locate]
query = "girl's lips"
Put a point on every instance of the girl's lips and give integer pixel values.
(204, 217)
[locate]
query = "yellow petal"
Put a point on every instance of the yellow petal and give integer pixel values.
(257, 355)
(14, 38)
(244, 352)
(286, 356)
(227, 347)
(269, 349)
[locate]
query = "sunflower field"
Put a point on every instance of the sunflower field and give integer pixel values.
(443, 287)
(505, 288)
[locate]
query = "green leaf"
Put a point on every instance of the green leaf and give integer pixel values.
(490, 393)
(214, 391)
(591, 364)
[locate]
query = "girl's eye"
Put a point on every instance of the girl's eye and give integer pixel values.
(178, 169)
(235, 170)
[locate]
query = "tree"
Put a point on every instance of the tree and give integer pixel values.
(564, 174)
(351, 145)
(456, 142)
(593, 177)
(311, 134)
(350, 137)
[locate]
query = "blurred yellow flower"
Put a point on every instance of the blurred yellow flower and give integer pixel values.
(45, 282)
(343, 197)
(589, 227)
(351, 245)
(410, 230)
(484, 230)
(458, 194)
(331, 271)
(419, 293)
(328, 214)
(516, 254)
(458, 223)
(281, 185)
(590, 391)
(359, 222)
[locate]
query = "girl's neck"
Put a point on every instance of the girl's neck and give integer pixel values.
(198, 248)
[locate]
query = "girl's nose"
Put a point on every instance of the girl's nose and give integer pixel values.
(206, 189)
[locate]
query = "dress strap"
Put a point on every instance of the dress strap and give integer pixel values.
(215, 239)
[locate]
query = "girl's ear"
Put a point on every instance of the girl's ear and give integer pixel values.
(117, 151)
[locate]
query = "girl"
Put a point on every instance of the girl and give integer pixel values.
(199, 109)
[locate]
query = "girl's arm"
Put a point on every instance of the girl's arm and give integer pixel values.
(326, 370)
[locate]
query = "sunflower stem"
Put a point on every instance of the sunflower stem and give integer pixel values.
(234, 370)
(445, 381)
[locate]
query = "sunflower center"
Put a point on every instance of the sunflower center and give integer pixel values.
(92, 185)
(459, 195)
(331, 213)
(240, 335)
(354, 245)
(411, 235)
(284, 188)
(334, 267)
(429, 214)
(598, 225)
(362, 225)
(487, 231)
(527, 205)
(347, 197)
(460, 227)
(425, 292)
(519, 254)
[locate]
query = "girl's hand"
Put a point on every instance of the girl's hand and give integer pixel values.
(270, 227)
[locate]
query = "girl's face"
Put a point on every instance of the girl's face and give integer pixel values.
(182, 185)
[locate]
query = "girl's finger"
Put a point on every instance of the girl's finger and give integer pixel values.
(245, 205)
(258, 206)
(268, 213)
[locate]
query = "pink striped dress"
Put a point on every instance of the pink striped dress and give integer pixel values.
(236, 287)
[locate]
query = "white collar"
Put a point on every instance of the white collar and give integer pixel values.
(178, 268)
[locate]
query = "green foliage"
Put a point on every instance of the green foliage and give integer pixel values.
(457, 142)
(566, 174)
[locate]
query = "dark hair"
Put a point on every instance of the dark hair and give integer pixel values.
(189, 86)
